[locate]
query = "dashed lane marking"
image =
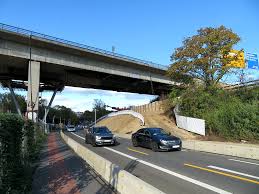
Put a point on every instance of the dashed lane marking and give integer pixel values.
(222, 173)
(242, 161)
(234, 172)
(137, 151)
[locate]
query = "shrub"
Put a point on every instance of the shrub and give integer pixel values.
(232, 115)
(16, 163)
(11, 158)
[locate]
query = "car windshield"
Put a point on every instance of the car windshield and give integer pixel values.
(101, 130)
(156, 131)
(71, 126)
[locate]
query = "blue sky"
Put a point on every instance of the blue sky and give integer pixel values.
(146, 29)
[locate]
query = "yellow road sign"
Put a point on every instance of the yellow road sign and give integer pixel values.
(237, 59)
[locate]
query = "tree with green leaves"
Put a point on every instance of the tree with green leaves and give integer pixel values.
(7, 104)
(100, 108)
(204, 57)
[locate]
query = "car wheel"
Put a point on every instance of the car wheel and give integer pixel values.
(179, 149)
(154, 146)
(94, 144)
(134, 143)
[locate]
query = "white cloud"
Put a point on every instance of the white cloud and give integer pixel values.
(81, 99)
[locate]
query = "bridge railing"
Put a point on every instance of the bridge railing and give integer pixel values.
(81, 46)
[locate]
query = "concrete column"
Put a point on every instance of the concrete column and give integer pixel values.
(33, 89)
(17, 106)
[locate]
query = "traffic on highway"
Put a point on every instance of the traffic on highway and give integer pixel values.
(179, 172)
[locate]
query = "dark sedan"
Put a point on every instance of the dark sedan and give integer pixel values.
(100, 136)
(156, 139)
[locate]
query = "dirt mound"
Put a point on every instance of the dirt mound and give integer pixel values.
(127, 124)
(160, 120)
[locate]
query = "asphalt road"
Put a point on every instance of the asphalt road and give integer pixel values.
(183, 171)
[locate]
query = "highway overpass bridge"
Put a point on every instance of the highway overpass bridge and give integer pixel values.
(52, 62)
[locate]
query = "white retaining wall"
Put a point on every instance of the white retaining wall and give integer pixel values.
(123, 112)
(189, 123)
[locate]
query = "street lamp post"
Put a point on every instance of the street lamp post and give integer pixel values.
(94, 117)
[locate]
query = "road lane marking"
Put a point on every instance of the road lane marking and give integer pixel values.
(199, 183)
(234, 172)
(222, 173)
(244, 161)
(204, 185)
(138, 151)
(78, 135)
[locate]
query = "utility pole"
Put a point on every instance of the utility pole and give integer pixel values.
(94, 117)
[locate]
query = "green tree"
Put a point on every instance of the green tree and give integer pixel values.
(100, 108)
(203, 56)
(66, 115)
(7, 104)
(87, 117)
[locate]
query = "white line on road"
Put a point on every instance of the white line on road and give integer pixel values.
(234, 172)
(77, 135)
(204, 185)
(244, 161)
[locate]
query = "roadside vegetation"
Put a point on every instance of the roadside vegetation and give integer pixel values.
(21, 140)
(200, 64)
(20, 144)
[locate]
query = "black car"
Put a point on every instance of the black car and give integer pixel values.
(156, 139)
(100, 136)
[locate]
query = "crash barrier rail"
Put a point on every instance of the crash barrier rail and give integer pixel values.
(191, 124)
(122, 112)
(98, 51)
(252, 83)
(121, 180)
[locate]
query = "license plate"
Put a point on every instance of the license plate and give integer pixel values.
(107, 141)
(176, 146)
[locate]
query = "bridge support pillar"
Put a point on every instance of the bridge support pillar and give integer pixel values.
(17, 106)
(47, 109)
(33, 90)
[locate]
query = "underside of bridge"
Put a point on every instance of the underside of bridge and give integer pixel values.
(37, 62)
(51, 74)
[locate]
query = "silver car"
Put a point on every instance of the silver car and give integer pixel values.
(71, 128)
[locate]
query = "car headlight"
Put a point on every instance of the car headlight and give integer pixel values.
(98, 137)
(163, 141)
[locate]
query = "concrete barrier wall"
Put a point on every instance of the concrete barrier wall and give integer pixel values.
(121, 180)
(250, 151)
(151, 107)
(241, 150)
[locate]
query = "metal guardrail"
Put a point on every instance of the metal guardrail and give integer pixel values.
(81, 46)
(244, 84)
